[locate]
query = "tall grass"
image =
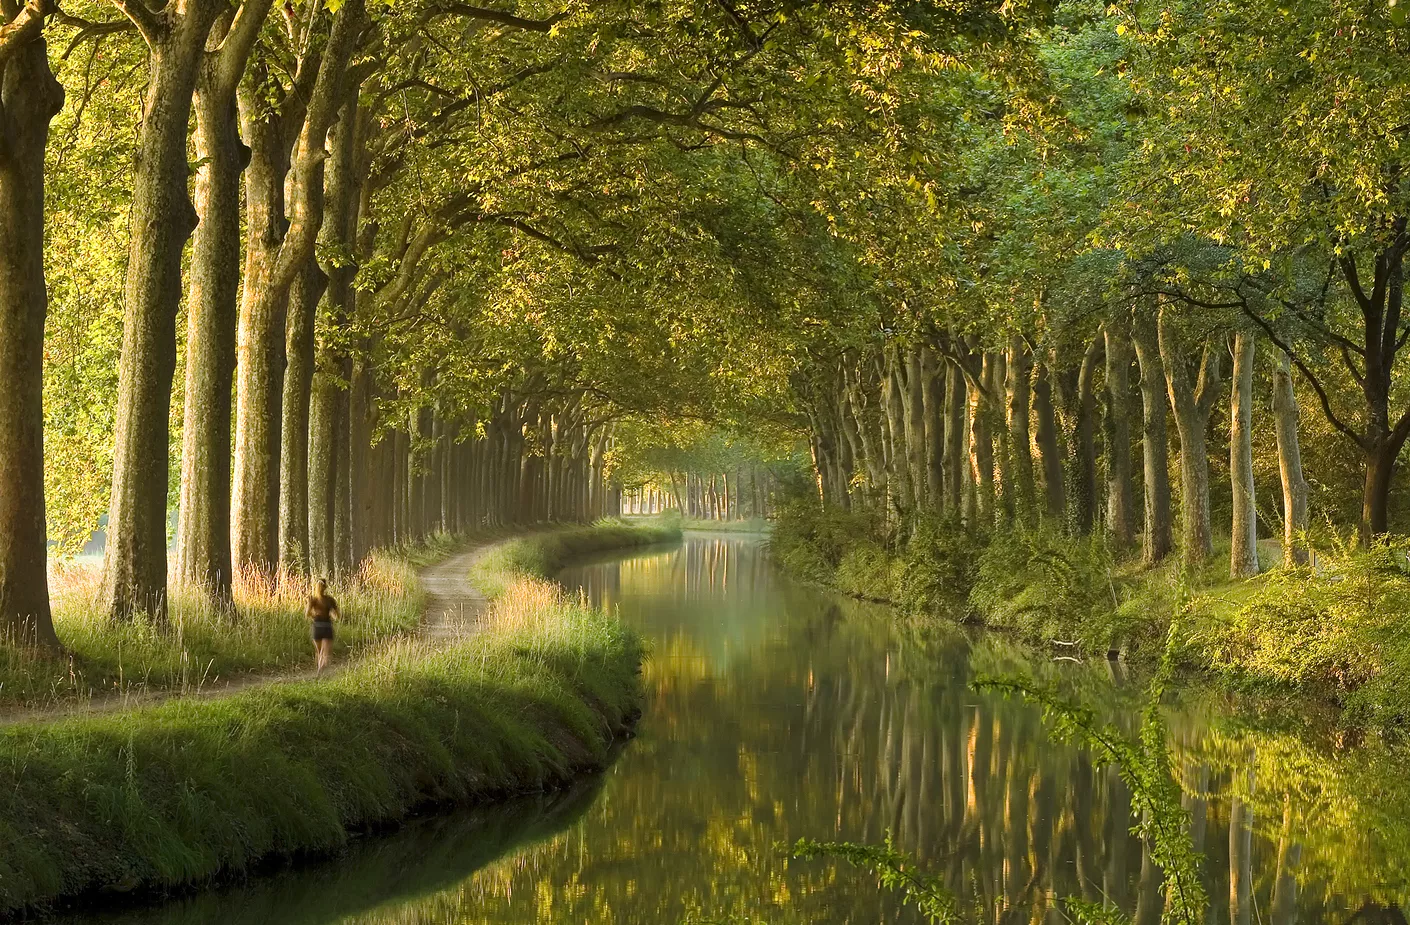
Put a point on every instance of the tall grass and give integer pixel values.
(189, 790)
(202, 645)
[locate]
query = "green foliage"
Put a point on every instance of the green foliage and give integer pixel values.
(195, 789)
(1047, 585)
(1340, 628)
(894, 871)
(939, 567)
(811, 543)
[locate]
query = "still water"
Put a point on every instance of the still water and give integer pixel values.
(777, 712)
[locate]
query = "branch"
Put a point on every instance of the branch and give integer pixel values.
(24, 27)
(1307, 374)
(235, 49)
(88, 30)
(149, 23)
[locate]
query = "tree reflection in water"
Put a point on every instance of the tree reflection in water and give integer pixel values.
(778, 713)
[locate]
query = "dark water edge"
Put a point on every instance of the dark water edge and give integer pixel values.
(777, 712)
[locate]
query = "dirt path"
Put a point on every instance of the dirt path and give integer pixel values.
(453, 606)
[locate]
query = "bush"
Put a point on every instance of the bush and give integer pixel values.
(1341, 628)
(811, 543)
(1045, 585)
(940, 567)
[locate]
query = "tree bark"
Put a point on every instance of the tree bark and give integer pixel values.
(995, 381)
(1121, 503)
(981, 448)
(161, 220)
(322, 473)
(1192, 404)
(1285, 416)
(933, 407)
(955, 436)
(1243, 549)
(913, 398)
(275, 263)
(893, 388)
(30, 97)
(1078, 400)
(1157, 537)
(1018, 398)
(203, 527)
(294, 555)
(1049, 449)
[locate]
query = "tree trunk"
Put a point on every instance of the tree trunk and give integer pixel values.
(1121, 503)
(913, 398)
(893, 388)
(162, 218)
(260, 342)
(955, 456)
(322, 473)
(1078, 400)
(1018, 398)
(1243, 549)
(30, 97)
(995, 382)
(1156, 538)
(294, 556)
(1285, 416)
(1049, 450)
(1192, 405)
(203, 526)
(933, 407)
(981, 450)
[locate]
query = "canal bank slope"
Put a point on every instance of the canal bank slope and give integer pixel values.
(176, 794)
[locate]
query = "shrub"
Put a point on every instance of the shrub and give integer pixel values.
(940, 567)
(1340, 627)
(1046, 585)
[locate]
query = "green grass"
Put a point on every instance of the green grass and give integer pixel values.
(201, 646)
(195, 789)
(702, 524)
(539, 555)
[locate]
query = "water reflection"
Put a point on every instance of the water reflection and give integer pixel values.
(777, 712)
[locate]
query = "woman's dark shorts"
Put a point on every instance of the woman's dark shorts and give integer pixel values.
(322, 629)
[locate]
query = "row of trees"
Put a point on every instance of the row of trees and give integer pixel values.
(430, 247)
(1160, 227)
(1003, 437)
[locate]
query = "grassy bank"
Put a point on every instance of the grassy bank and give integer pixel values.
(177, 794)
(202, 646)
(539, 555)
(1340, 631)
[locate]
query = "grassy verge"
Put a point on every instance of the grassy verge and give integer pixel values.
(702, 524)
(1339, 632)
(202, 646)
(188, 791)
(539, 555)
